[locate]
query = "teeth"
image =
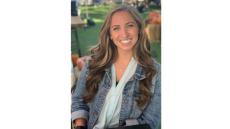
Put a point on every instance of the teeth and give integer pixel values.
(125, 41)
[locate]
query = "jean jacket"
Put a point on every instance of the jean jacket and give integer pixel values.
(130, 113)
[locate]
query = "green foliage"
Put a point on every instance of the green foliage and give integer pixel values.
(156, 51)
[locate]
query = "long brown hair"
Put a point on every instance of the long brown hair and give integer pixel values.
(105, 53)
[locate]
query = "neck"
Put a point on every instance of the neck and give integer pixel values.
(121, 63)
(123, 58)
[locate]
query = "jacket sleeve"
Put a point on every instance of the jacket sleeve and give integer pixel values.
(152, 113)
(79, 109)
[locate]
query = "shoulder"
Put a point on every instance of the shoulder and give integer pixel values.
(156, 80)
(156, 65)
(85, 64)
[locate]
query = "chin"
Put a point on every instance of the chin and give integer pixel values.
(126, 49)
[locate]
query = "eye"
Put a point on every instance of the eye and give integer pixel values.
(115, 28)
(130, 25)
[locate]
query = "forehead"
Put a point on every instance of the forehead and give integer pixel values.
(121, 17)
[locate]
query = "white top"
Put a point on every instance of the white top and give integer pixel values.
(110, 112)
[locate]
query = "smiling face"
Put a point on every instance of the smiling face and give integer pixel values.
(123, 31)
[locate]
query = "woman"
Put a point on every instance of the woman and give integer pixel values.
(120, 85)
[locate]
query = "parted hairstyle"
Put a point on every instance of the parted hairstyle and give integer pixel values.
(104, 54)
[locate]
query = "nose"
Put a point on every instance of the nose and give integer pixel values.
(124, 32)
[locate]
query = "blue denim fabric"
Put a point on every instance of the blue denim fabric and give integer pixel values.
(130, 112)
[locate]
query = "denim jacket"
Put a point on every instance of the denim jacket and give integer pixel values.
(130, 113)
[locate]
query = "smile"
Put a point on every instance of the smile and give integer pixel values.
(125, 41)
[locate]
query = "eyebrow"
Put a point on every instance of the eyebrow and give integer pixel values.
(132, 22)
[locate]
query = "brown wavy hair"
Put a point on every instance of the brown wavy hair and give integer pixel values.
(105, 53)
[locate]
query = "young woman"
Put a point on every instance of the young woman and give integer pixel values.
(120, 84)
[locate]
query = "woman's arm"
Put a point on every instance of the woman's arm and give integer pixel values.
(79, 109)
(152, 113)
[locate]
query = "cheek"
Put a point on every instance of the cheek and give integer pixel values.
(136, 34)
(113, 37)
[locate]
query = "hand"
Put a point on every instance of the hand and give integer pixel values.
(80, 123)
